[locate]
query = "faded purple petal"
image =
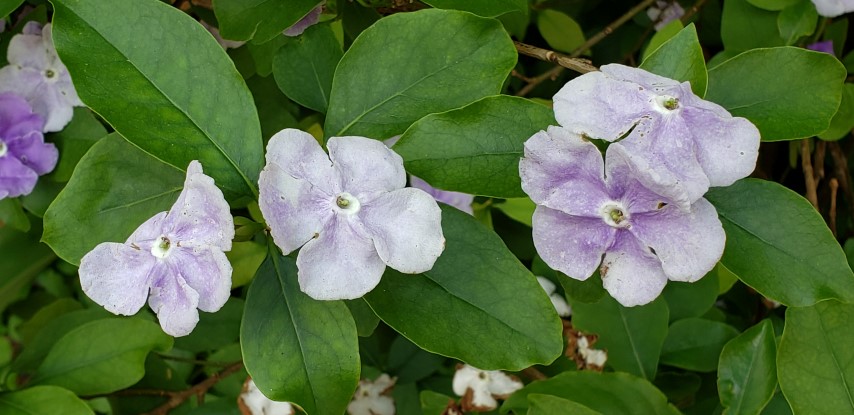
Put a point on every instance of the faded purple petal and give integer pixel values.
(824, 46)
(146, 233)
(406, 227)
(833, 8)
(630, 273)
(598, 106)
(174, 301)
(207, 271)
(16, 179)
(692, 243)
(307, 21)
(32, 28)
(570, 244)
(461, 201)
(665, 12)
(117, 276)
(201, 216)
(366, 166)
(225, 43)
(561, 171)
(726, 148)
(339, 263)
(34, 153)
(636, 185)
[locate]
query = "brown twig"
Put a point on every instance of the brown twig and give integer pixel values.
(834, 186)
(840, 167)
(692, 11)
(177, 398)
(569, 62)
(612, 27)
(534, 374)
(514, 73)
(552, 74)
(809, 176)
(818, 160)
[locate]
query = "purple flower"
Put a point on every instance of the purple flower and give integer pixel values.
(683, 143)
(825, 46)
(664, 12)
(833, 8)
(461, 201)
(307, 21)
(175, 259)
(24, 155)
(587, 209)
(349, 211)
(36, 73)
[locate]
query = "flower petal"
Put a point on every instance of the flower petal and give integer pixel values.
(200, 216)
(655, 84)
(561, 171)
(55, 105)
(366, 166)
(570, 244)
(174, 301)
(726, 147)
(599, 106)
(640, 187)
(34, 153)
(307, 21)
(16, 179)
(689, 244)
(207, 271)
(300, 156)
(17, 118)
(28, 50)
(339, 264)
(406, 227)
(145, 234)
(502, 384)
(117, 276)
(461, 201)
(631, 274)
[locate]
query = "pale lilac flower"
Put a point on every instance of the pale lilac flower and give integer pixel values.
(252, 402)
(681, 142)
(372, 397)
(480, 389)
(563, 309)
(24, 155)
(824, 46)
(36, 73)
(587, 208)
(664, 12)
(307, 21)
(833, 8)
(175, 260)
(225, 43)
(349, 211)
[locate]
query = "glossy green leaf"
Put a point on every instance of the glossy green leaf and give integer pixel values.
(304, 66)
(666, 33)
(102, 356)
(785, 104)
(519, 209)
(260, 20)
(74, 141)
(486, 8)
(434, 403)
(745, 27)
(695, 344)
(774, 5)
(691, 299)
(814, 362)
(176, 74)
(779, 245)
(476, 292)
(214, 330)
(796, 21)
(474, 149)
(37, 349)
(680, 58)
(608, 393)
(22, 257)
(443, 59)
(633, 336)
(366, 320)
(43, 400)
(114, 189)
(246, 258)
(747, 372)
(296, 348)
(539, 404)
(560, 31)
(8, 6)
(843, 122)
(12, 215)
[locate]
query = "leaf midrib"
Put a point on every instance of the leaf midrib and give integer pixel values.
(835, 360)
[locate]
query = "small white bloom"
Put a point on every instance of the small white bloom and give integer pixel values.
(592, 357)
(372, 397)
(563, 309)
(480, 389)
(253, 402)
(833, 8)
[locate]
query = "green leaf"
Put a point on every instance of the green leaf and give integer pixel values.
(695, 344)
(102, 356)
(260, 20)
(74, 141)
(633, 336)
(304, 66)
(691, 299)
(519, 209)
(114, 189)
(43, 400)
(540, 404)
(366, 320)
(773, 5)
(443, 59)
(843, 121)
(434, 403)
(779, 245)
(22, 257)
(29, 329)
(477, 292)
(37, 349)
(173, 92)
(214, 330)
(12, 215)
(608, 393)
(8, 6)
(486, 8)
(474, 149)
(797, 20)
(296, 348)
(814, 360)
(747, 373)
(680, 58)
(785, 104)
(246, 258)
(745, 27)
(666, 33)
(560, 31)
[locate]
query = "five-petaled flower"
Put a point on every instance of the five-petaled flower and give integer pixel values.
(587, 208)
(480, 389)
(349, 211)
(36, 73)
(676, 138)
(23, 153)
(175, 260)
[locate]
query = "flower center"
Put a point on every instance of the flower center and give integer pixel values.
(49, 73)
(347, 203)
(615, 215)
(666, 103)
(3, 149)
(161, 247)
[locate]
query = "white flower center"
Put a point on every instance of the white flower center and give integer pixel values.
(347, 203)
(3, 149)
(666, 103)
(615, 215)
(161, 247)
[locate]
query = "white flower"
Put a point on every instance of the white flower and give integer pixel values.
(372, 398)
(592, 357)
(480, 389)
(833, 8)
(253, 402)
(558, 301)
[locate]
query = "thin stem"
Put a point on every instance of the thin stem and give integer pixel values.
(569, 62)
(534, 374)
(834, 186)
(840, 167)
(177, 398)
(612, 27)
(809, 176)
